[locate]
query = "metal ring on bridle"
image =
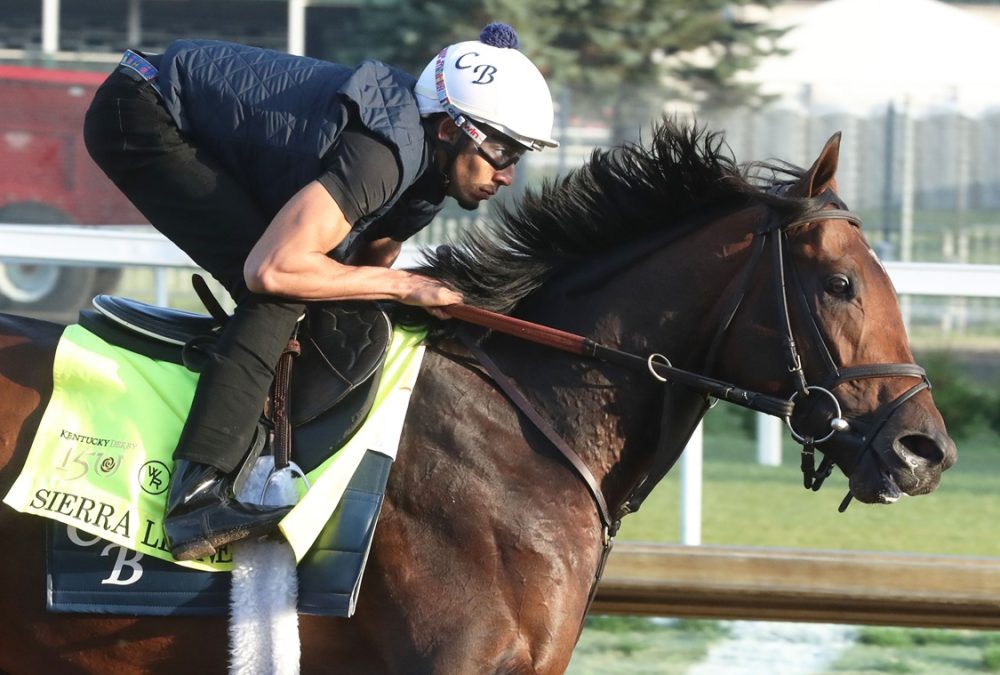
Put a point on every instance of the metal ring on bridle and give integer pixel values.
(836, 424)
(652, 370)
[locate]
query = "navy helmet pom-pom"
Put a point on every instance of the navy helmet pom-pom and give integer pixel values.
(500, 35)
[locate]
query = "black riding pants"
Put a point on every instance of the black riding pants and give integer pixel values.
(192, 200)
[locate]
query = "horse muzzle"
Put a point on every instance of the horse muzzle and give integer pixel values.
(906, 456)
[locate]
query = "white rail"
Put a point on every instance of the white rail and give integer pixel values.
(135, 245)
(89, 246)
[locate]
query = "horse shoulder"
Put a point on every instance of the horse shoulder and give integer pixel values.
(479, 554)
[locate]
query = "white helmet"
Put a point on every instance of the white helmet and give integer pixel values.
(497, 86)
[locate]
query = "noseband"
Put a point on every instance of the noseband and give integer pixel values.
(774, 235)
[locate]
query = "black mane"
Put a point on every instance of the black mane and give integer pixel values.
(619, 195)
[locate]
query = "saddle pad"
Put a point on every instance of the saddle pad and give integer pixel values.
(101, 459)
(93, 576)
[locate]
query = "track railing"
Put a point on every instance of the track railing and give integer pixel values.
(856, 587)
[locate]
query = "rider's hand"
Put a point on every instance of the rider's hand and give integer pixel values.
(429, 293)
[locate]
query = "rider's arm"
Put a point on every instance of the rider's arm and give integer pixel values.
(361, 173)
(379, 253)
(290, 259)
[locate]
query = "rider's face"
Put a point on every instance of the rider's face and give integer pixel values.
(474, 178)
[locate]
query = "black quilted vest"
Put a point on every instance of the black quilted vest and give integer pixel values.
(269, 117)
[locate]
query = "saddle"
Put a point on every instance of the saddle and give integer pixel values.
(342, 347)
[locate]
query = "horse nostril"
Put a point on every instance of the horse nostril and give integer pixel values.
(922, 446)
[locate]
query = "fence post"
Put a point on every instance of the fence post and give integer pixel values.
(691, 482)
(769, 432)
(161, 289)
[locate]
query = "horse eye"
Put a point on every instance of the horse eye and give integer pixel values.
(838, 284)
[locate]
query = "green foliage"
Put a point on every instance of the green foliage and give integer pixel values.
(731, 420)
(632, 48)
(709, 629)
(921, 650)
(886, 637)
(922, 637)
(933, 636)
(964, 404)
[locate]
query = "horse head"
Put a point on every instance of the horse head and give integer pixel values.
(845, 361)
(672, 248)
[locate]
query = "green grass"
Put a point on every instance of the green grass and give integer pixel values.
(626, 645)
(909, 650)
(633, 646)
(752, 505)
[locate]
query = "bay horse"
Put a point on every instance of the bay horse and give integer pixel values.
(489, 542)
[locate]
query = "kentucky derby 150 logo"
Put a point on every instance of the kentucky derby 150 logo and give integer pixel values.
(102, 456)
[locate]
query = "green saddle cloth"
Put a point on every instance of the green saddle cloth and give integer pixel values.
(101, 459)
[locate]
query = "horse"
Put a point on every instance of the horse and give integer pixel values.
(745, 282)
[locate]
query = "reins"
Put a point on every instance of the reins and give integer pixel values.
(661, 369)
(773, 232)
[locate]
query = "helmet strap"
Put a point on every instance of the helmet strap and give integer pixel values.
(461, 120)
(450, 149)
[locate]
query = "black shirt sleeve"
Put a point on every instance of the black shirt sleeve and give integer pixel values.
(361, 172)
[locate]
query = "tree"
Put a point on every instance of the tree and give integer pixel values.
(625, 57)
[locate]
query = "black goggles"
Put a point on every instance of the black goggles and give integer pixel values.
(498, 151)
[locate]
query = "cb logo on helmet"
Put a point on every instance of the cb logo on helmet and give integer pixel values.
(483, 70)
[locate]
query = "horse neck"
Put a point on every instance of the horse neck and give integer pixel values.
(668, 302)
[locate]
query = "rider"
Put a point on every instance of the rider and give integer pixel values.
(294, 180)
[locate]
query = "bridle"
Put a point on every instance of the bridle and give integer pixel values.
(771, 235)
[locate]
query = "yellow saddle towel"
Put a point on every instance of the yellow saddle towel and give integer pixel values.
(101, 459)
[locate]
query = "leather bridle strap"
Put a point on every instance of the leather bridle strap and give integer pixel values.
(877, 426)
(812, 478)
(509, 389)
(581, 346)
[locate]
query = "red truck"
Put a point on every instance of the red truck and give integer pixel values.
(47, 177)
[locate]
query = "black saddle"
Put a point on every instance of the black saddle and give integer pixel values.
(334, 379)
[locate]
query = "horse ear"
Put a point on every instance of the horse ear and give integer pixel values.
(821, 175)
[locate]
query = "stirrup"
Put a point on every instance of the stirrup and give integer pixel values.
(275, 474)
(242, 473)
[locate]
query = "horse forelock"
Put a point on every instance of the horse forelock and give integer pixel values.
(620, 195)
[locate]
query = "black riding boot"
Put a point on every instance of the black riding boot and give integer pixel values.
(202, 513)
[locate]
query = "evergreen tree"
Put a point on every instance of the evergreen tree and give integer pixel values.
(625, 57)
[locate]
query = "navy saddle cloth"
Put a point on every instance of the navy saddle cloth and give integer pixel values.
(91, 575)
